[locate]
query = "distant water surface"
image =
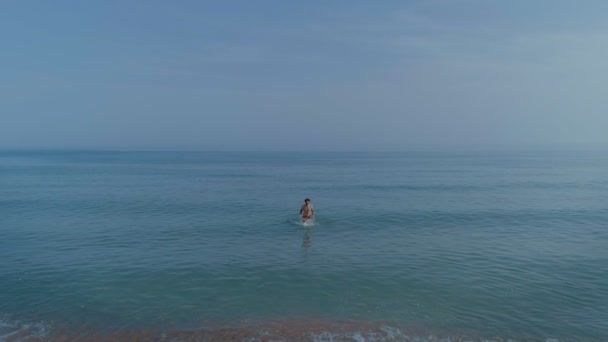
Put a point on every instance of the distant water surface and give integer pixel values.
(511, 244)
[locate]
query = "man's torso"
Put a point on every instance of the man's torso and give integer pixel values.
(307, 210)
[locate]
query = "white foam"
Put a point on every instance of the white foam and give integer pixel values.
(386, 334)
(391, 332)
(358, 337)
(309, 223)
(9, 329)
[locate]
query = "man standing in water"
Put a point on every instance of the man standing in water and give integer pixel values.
(307, 212)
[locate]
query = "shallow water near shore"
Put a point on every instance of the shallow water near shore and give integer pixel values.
(430, 244)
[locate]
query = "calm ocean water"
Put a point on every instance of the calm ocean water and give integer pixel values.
(428, 244)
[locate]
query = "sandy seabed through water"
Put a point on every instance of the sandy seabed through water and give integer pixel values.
(266, 331)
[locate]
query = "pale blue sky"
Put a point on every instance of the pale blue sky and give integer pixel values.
(287, 75)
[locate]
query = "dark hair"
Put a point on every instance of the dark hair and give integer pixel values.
(307, 200)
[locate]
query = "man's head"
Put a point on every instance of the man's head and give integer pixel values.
(307, 200)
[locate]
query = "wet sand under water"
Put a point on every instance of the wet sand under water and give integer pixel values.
(284, 330)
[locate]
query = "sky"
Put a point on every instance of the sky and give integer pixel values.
(302, 75)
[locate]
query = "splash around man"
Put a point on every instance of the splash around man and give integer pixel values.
(307, 212)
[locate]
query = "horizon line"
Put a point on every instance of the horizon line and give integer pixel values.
(408, 148)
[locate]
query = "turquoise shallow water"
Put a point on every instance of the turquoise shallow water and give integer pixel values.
(504, 243)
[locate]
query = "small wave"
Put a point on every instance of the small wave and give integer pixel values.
(15, 330)
(308, 223)
(284, 330)
(298, 222)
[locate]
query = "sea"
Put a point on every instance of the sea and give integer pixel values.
(428, 244)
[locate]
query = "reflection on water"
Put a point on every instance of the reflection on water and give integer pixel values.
(307, 240)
